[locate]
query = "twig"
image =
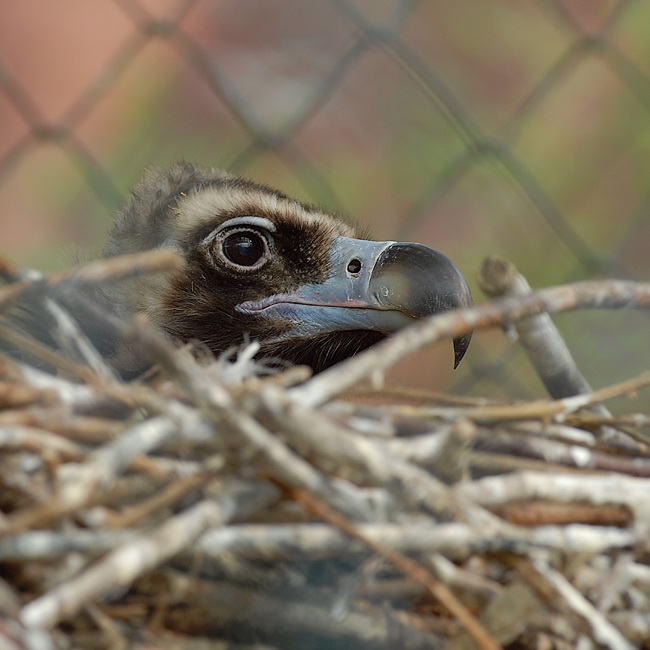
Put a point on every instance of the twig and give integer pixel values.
(293, 541)
(566, 596)
(40, 351)
(79, 397)
(14, 394)
(538, 335)
(169, 495)
(611, 294)
(557, 410)
(47, 445)
(553, 452)
(96, 273)
(67, 333)
(605, 489)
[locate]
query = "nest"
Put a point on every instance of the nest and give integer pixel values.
(206, 506)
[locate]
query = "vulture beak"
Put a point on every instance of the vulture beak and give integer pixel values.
(378, 286)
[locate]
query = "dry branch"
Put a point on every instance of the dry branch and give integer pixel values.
(537, 335)
(611, 294)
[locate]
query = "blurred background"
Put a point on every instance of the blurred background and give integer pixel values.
(511, 128)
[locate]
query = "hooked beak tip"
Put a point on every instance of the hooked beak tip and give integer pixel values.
(420, 281)
(460, 347)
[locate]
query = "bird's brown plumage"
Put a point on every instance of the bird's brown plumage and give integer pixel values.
(261, 266)
(179, 208)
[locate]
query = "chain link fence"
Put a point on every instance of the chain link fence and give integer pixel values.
(519, 129)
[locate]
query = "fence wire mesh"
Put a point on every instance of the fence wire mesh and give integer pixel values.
(519, 129)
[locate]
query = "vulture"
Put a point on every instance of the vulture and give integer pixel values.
(261, 266)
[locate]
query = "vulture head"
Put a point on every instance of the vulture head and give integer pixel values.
(264, 267)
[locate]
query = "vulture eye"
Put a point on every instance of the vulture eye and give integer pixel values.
(245, 249)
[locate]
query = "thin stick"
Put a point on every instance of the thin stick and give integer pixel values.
(100, 272)
(555, 588)
(610, 294)
(538, 335)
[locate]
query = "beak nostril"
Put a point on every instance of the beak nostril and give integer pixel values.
(354, 266)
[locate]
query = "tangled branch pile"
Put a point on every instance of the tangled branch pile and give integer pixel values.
(207, 507)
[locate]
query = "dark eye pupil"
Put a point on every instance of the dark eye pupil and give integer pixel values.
(244, 249)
